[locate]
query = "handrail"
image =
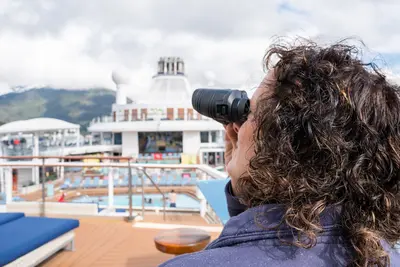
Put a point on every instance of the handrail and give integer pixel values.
(110, 164)
(66, 157)
(204, 168)
(158, 189)
(210, 171)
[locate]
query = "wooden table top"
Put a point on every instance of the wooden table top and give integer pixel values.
(182, 240)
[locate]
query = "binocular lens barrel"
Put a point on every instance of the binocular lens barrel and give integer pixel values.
(222, 105)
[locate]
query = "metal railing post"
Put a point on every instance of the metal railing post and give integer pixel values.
(143, 199)
(43, 213)
(130, 217)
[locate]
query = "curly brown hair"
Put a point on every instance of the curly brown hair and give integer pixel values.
(329, 135)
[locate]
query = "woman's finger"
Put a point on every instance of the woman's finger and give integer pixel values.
(231, 134)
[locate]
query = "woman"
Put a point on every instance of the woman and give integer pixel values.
(316, 167)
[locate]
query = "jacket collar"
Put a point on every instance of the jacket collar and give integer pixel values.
(260, 223)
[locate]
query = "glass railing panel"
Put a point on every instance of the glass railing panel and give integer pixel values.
(99, 186)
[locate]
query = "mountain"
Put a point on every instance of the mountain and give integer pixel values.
(76, 106)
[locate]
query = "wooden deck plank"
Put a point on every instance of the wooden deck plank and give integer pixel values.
(111, 242)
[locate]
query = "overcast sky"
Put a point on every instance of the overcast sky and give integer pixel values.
(77, 43)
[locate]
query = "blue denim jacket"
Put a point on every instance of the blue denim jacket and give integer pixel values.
(248, 239)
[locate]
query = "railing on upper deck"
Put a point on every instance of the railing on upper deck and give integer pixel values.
(107, 162)
(61, 151)
(145, 113)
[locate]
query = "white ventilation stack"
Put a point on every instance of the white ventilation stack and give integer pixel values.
(171, 66)
(121, 79)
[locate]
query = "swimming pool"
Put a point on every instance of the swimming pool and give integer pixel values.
(183, 201)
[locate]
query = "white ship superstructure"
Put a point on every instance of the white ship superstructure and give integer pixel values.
(160, 124)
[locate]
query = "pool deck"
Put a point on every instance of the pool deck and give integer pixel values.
(113, 242)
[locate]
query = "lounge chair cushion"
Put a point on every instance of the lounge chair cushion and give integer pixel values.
(29, 233)
(10, 216)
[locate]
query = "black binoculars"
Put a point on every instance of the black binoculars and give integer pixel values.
(222, 105)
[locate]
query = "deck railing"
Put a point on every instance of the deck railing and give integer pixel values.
(44, 162)
(131, 113)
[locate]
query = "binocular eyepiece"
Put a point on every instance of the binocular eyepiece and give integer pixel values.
(222, 105)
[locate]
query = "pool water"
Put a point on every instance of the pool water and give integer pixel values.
(182, 200)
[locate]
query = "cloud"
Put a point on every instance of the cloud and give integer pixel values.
(77, 44)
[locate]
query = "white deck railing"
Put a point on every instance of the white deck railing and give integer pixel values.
(204, 172)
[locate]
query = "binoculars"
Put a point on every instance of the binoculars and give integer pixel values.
(222, 105)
